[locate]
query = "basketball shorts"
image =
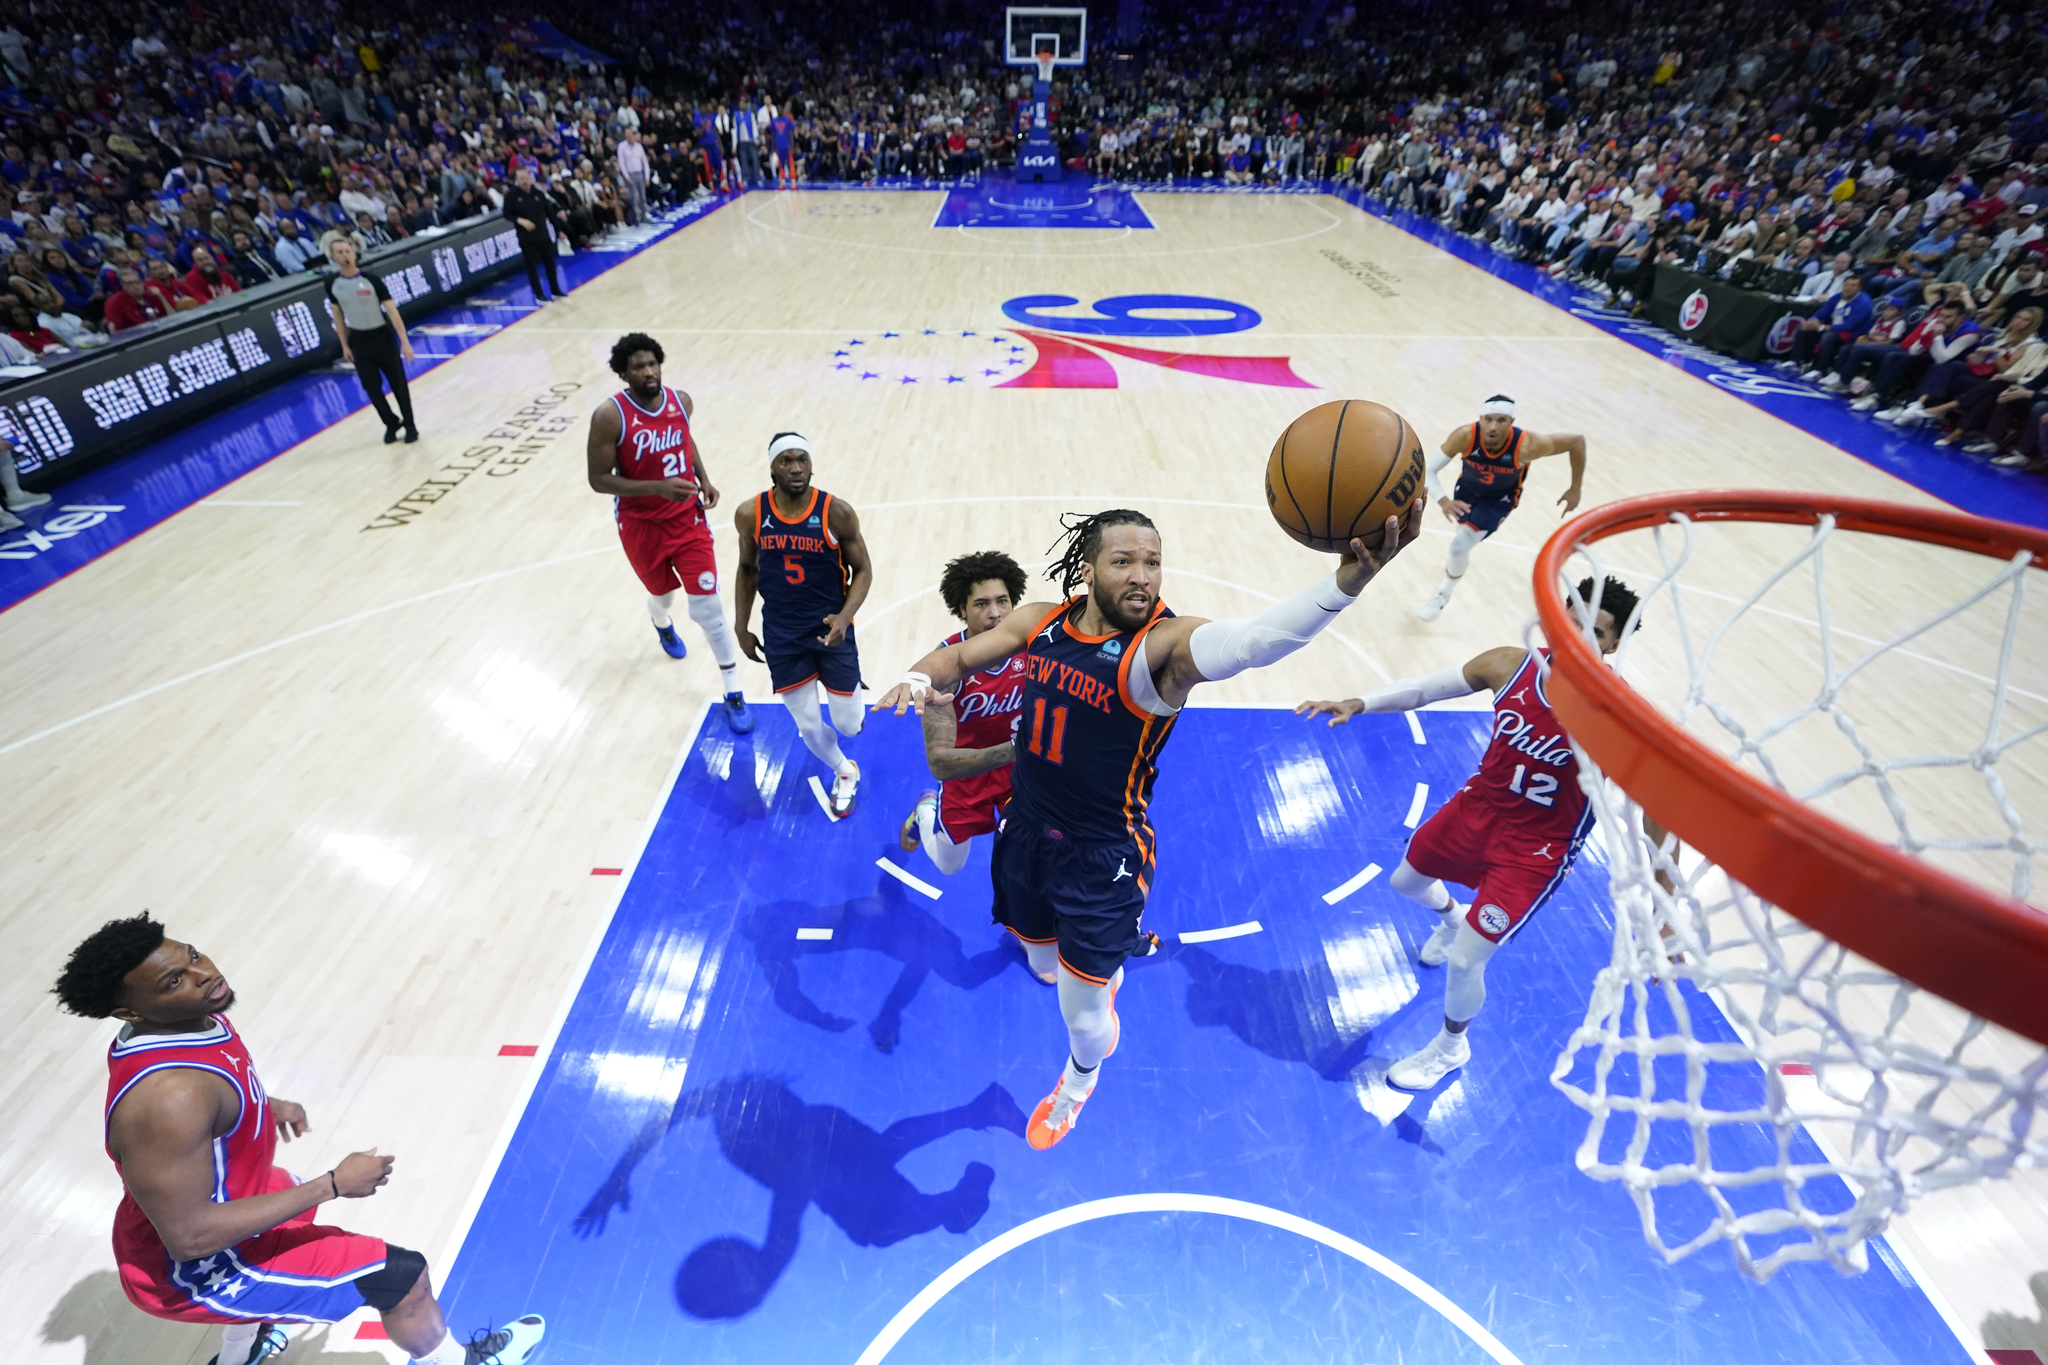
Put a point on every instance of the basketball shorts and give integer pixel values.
(671, 554)
(973, 805)
(298, 1271)
(1086, 897)
(1511, 871)
(1486, 514)
(794, 662)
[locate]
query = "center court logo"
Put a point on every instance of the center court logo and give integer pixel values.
(1055, 348)
(1693, 311)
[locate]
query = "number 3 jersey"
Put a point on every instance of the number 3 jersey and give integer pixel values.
(1530, 776)
(655, 446)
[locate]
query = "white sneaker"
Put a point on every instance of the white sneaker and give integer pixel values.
(1859, 386)
(1436, 949)
(1913, 415)
(845, 788)
(1446, 1053)
(1437, 601)
(10, 523)
(1831, 382)
(1892, 414)
(24, 500)
(509, 1345)
(1864, 404)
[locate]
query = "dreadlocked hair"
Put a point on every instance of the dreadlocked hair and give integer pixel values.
(1082, 541)
(1615, 597)
(92, 979)
(963, 573)
(631, 344)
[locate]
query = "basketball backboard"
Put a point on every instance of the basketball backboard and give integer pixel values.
(1027, 32)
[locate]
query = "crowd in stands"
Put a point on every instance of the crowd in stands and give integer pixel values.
(1886, 159)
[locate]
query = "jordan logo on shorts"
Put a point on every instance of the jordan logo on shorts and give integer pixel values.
(1121, 871)
(1544, 852)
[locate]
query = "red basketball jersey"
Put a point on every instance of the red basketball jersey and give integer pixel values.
(1530, 776)
(985, 709)
(655, 446)
(241, 1160)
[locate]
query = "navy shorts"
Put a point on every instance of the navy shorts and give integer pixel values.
(792, 663)
(1087, 897)
(1486, 514)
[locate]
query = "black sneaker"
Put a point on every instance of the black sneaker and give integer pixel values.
(509, 1345)
(391, 436)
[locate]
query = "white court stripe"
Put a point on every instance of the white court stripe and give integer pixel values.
(1415, 726)
(914, 883)
(1338, 893)
(824, 801)
(989, 1251)
(1415, 806)
(1250, 926)
(821, 935)
(244, 502)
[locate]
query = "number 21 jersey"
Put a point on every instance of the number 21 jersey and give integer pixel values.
(655, 446)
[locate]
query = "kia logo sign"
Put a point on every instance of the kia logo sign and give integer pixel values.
(1780, 339)
(1693, 311)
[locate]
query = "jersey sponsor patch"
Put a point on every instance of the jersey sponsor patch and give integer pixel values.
(1493, 919)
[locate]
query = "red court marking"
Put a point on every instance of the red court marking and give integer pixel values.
(518, 1050)
(2013, 1355)
(607, 871)
(1795, 1069)
(372, 1331)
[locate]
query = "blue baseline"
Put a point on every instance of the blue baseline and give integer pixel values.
(129, 495)
(747, 1145)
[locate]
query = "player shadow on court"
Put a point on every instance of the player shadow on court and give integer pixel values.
(114, 1332)
(807, 1154)
(2011, 1332)
(888, 923)
(1285, 1014)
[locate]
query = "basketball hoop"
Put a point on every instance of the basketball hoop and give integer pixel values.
(1771, 938)
(1045, 62)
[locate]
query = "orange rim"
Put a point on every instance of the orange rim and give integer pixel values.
(1985, 952)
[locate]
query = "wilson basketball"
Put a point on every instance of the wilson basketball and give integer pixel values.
(1340, 470)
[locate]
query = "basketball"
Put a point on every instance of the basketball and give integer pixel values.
(1340, 470)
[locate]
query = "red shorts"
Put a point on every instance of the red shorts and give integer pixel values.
(1511, 870)
(296, 1272)
(671, 554)
(973, 805)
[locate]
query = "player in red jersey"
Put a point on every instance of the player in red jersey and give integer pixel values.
(209, 1229)
(1510, 833)
(641, 452)
(968, 744)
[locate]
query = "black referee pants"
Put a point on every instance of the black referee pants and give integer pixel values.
(377, 360)
(537, 252)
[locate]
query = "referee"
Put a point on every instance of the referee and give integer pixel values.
(528, 208)
(372, 336)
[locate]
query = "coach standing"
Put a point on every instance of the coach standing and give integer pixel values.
(372, 336)
(529, 210)
(632, 159)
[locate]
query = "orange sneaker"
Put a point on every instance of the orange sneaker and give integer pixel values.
(1054, 1117)
(909, 837)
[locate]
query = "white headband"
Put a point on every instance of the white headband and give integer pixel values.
(1497, 407)
(790, 442)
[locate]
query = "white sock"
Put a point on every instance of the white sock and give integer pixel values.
(657, 608)
(710, 618)
(449, 1352)
(235, 1340)
(1079, 1080)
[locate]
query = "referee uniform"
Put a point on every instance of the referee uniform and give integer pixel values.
(360, 300)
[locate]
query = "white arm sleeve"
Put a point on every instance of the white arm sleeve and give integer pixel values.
(1409, 693)
(1435, 466)
(1224, 649)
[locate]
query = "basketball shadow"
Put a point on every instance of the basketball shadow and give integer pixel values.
(1284, 1014)
(807, 1154)
(889, 923)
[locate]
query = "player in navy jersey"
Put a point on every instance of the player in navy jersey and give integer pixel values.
(1106, 673)
(1511, 833)
(801, 551)
(641, 451)
(968, 735)
(783, 126)
(1495, 455)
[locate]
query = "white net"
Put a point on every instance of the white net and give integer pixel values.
(1749, 1080)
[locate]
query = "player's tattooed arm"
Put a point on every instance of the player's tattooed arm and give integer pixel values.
(854, 549)
(746, 582)
(948, 762)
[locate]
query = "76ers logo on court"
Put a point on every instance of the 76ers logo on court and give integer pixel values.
(1693, 311)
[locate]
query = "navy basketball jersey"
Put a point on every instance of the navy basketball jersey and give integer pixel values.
(1487, 477)
(1086, 752)
(803, 577)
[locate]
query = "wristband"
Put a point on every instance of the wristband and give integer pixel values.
(918, 682)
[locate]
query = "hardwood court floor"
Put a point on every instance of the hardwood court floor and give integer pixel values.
(368, 759)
